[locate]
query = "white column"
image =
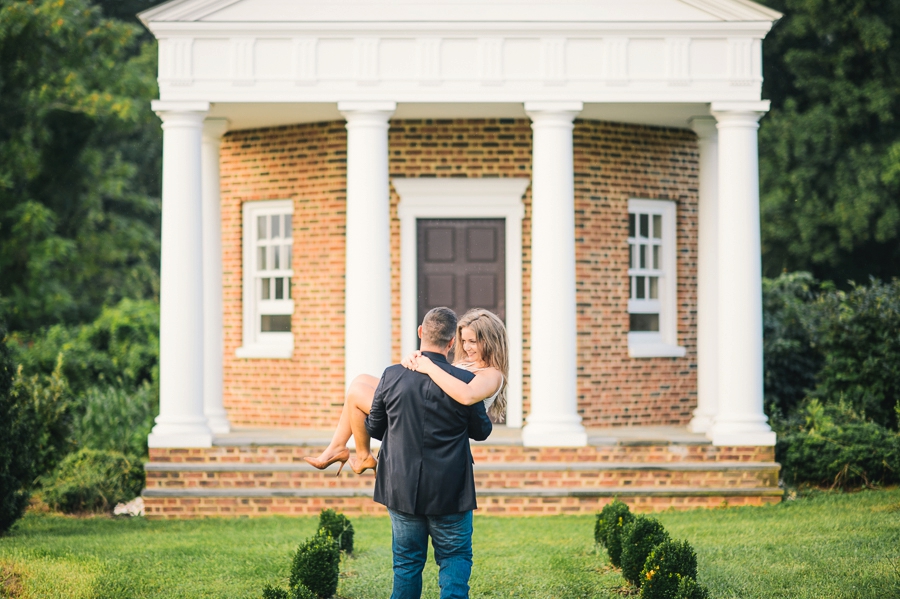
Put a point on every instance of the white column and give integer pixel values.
(367, 341)
(181, 422)
(739, 416)
(213, 130)
(554, 419)
(707, 274)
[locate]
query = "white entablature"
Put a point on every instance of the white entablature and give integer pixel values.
(596, 51)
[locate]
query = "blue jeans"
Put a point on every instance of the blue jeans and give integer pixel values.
(451, 537)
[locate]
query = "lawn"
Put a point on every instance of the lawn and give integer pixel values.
(827, 545)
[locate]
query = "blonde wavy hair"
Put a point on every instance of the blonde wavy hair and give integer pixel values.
(490, 334)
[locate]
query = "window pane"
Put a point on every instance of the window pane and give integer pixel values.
(656, 252)
(654, 287)
(657, 226)
(276, 220)
(287, 225)
(631, 287)
(261, 258)
(265, 288)
(643, 256)
(644, 322)
(631, 225)
(640, 288)
(645, 225)
(287, 256)
(276, 257)
(630, 255)
(261, 227)
(275, 323)
(279, 288)
(287, 282)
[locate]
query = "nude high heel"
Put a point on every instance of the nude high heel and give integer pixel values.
(341, 456)
(360, 467)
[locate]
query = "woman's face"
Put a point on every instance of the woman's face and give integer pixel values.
(470, 345)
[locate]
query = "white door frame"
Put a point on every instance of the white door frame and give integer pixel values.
(465, 198)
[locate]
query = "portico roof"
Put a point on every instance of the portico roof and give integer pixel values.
(271, 62)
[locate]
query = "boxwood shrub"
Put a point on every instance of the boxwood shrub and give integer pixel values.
(639, 538)
(688, 588)
(317, 565)
(608, 529)
(665, 567)
(339, 527)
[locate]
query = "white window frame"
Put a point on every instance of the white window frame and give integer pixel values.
(662, 344)
(257, 344)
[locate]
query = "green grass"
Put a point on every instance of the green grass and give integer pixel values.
(828, 545)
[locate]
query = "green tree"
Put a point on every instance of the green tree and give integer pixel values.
(830, 147)
(79, 163)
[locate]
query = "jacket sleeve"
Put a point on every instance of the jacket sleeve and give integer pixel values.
(376, 421)
(480, 426)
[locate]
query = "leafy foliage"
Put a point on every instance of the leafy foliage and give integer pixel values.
(270, 592)
(639, 538)
(858, 332)
(339, 527)
(608, 529)
(688, 588)
(79, 163)
(791, 361)
(666, 566)
(116, 419)
(120, 348)
(316, 565)
(836, 447)
(92, 481)
(830, 146)
(17, 458)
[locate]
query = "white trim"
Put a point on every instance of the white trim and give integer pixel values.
(255, 344)
(665, 343)
(466, 198)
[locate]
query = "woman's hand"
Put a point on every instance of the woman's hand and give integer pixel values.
(411, 361)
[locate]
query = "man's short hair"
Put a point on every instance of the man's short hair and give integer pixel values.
(439, 326)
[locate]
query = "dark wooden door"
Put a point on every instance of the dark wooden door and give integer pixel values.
(462, 265)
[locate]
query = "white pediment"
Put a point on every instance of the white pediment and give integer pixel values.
(459, 11)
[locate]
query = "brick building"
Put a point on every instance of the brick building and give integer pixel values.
(587, 169)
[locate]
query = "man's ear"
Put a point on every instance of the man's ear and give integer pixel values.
(419, 331)
(450, 345)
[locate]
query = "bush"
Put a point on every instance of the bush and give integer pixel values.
(339, 527)
(666, 566)
(608, 529)
(688, 588)
(298, 592)
(92, 481)
(639, 538)
(17, 455)
(836, 447)
(120, 348)
(115, 419)
(858, 333)
(317, 565)
(791, 363)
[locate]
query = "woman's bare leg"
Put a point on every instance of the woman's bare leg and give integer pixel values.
(358, 400)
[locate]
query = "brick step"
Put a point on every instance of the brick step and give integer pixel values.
(200, 502)
(488, 475)
(619, 451)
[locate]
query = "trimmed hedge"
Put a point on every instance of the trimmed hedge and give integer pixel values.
(665, 567)
(608, 529)
(339, 527)
(317, 565)
(639, 537)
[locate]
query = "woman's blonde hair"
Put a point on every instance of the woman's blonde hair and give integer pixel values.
(490, 334)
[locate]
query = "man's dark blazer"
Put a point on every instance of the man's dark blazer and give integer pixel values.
(425, 464)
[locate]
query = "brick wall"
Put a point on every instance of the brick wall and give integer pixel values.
(612, 163)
